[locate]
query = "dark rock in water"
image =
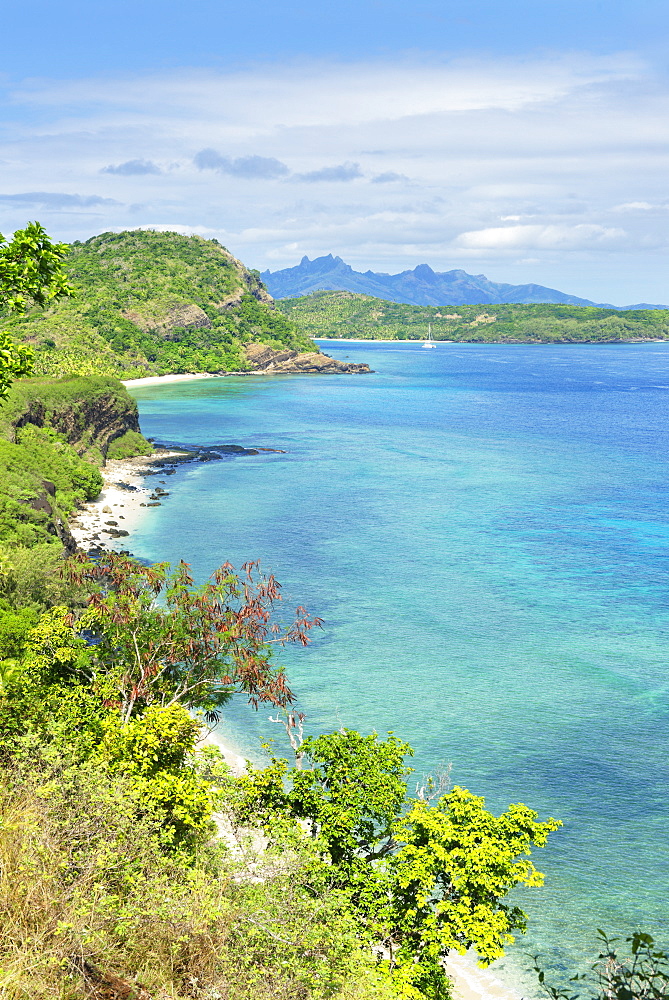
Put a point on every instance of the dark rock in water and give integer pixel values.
(208, 456)
(151, 505)
(169, 472)
(112, 524)
(118, 533)
(127, 486)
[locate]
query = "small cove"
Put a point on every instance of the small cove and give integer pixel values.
(484, 529)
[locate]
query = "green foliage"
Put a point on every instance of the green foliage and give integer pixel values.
(153, 751)
(31, 577)
(15, 629)
(641, 975)
(421, 879)
(457, 862)
(128, 445)
(30, 272)
(161, 639)
(349, 315)
(16, 361)
(154, 303)
(30, 269)
(96, 899)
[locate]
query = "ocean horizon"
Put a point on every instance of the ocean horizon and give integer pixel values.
(485, 531)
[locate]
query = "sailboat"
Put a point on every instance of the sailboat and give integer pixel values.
(429, 342)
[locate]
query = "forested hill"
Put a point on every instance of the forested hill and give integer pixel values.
(154, 303)
(347, 315)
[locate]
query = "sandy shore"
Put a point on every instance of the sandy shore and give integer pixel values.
(368, 340)
(160, 379)
(122, 503)
(473, 983)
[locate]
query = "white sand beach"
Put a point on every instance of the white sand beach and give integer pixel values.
(473, 983)
(369, 340)
(119, 508)
(164, 379)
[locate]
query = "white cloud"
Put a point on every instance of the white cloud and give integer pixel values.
(639, 206)
(309, 94)
(389, 165)
(538, 237)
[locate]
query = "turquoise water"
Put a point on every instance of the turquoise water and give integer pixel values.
(485, 531)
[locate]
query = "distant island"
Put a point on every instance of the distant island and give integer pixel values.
(348, 316)
(420, 287)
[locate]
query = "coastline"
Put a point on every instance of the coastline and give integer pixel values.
(380, 340)
(130, 383)
(123, 499)
(473, 983)
(108, 521)
(230, 752)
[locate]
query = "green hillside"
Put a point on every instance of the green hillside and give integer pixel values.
(151, 304)
(347, 315)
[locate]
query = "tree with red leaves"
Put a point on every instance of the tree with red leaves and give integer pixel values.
(156, 638)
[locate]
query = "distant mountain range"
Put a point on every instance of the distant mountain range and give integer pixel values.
(420, 287)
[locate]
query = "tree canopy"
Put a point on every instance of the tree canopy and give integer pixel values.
(30, 274)
(422, 878)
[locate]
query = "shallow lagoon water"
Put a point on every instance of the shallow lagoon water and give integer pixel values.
(485, 531)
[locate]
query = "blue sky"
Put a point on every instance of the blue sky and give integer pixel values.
(526, 141)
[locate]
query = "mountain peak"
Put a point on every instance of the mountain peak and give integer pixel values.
(423, 271)
(421, 286)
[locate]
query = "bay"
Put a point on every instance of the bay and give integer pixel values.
(485, 531)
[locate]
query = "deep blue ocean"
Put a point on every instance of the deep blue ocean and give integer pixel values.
(485, 530)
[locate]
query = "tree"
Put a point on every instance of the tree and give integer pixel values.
(30, 274)
(156, 638)
(422, 879)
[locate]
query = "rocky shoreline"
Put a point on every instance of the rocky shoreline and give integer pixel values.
(267, 360)
(107, 521)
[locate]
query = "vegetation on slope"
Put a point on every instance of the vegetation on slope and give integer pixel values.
(54, 433)
(112, 876)
(153, 303)
(345, 315)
